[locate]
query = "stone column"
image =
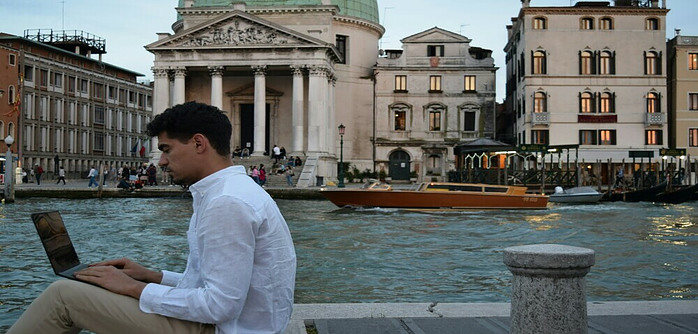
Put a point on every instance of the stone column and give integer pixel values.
(297, 112)
(161, 101)
(548, 288)
(216, 73)
(332, 124)
(179, 90)
(260, 107)
(316, 95)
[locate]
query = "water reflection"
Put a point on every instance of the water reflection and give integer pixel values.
(643, 251)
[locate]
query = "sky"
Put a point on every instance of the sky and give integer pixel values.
(129, 25)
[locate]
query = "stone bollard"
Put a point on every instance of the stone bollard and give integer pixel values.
(548, 288)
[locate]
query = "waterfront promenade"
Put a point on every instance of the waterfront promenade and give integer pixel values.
(670, 316)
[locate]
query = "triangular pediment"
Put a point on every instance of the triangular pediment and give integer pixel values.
(236, 29)
(436, 35)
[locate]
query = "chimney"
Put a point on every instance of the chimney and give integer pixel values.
(188, 3)
(526, 3)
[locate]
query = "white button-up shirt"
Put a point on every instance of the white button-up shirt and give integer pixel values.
(241, 268)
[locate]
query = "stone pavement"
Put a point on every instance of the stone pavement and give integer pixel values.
(604, 317)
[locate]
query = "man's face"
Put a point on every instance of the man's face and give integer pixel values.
(179, 158)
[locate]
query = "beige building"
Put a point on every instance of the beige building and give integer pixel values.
(436, 92)
(69, 109)
(287, 75)
(683, 93)
(591, 74)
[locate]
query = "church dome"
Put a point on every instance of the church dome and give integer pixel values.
(362, 9)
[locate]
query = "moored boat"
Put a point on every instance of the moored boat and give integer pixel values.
(641, 195)
(677, 195)
(437, 195)
(575, 195)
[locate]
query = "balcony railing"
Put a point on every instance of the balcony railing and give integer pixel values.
(655, 118)
(540, 118)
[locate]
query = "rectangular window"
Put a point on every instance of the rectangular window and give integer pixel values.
(539, 137)
(98, 91)
(400, 83)
(693, 61)
(99, 115)
(587, 137)
(469, 83)
(607, 137)
(28, 73)
(539, 23)
(435, 83)
(99, 141)
(58, 80)
(468, 121)
(400, 120)
(434, 120)
(606, 23)
(652, 24)
(83, 85)
(13, 59)
(435, 50)
(693, 137)
(693, 101)
(43, 78)
(71, 84)
(342, 48)
(587, 23)
(653, 137)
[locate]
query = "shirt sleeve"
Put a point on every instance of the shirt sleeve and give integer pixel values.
(225, 233)
(170, 278)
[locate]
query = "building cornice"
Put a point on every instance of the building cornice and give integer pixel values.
(607, 11)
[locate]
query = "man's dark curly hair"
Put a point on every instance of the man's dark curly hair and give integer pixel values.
(183, 121)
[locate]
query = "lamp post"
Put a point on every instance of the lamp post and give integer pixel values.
(9, 185)
(341, 128)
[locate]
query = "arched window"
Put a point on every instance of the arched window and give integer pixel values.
(586, 103)
(2, 129)
(586, 23)
(653, 63)
(540, 102)
(399, 116)
(11, 96)
(606, 23)
(586, 62)
(11, 130)
(539, 63)
(607, 103)
(653, 103)
(607, 63)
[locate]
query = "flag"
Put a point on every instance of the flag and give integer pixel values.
(142, 151)
(135, 147)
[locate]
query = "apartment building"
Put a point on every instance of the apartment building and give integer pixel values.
(66, 108)
(683, 93)
(591, 74)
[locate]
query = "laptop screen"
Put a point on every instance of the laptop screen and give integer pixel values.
(56, 241)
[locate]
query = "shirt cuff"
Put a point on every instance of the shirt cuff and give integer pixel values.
(151, 298)
(170, 278)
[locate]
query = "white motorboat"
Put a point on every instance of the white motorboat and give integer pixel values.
(575, 195)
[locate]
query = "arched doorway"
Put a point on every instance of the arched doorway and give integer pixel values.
(399, 165)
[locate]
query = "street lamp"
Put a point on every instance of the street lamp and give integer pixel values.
(341, 128)
(9, 185)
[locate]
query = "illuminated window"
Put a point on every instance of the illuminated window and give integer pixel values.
(539, 102)
(435, 83)
(586, 103)
(653, 137)
(434, 119)
(586, 63)
(539, 137)
(607, 63)
(399, 116)
(653, 103)
(587, 23)
(652, 63)
(607, 103)
(401, 83)
(539, 62)
(693, 101)
(693, 137)
(607, 137)
(540, 23)
(469, 83)
(652, 24)
(693, 61)
(606, 23)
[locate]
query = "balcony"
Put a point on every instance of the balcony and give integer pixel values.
(540, 118)
(655, 118)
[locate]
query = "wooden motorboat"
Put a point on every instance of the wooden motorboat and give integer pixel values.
(677, 194)
(640, 195)
(575, 195)
(437, 195)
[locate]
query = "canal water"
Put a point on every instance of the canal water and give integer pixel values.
(643, 251)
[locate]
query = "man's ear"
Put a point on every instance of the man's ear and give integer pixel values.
(200, 141)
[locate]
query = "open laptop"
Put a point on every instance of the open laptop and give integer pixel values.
(57, 244)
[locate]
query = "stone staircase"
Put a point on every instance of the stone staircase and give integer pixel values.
(273, 180)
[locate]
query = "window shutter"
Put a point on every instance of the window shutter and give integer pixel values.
(613, 63)
(533, 63)
(594, 62)
(659, 102)
(581, 137)
(579, 98)
(545, 63)
(659, 63)
(613, 102)
(580, 62)
(644, 63)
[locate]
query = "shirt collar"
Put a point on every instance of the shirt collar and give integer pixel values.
(209, 181)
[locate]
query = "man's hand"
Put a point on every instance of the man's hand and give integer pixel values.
(133, 270)
(112, 279)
